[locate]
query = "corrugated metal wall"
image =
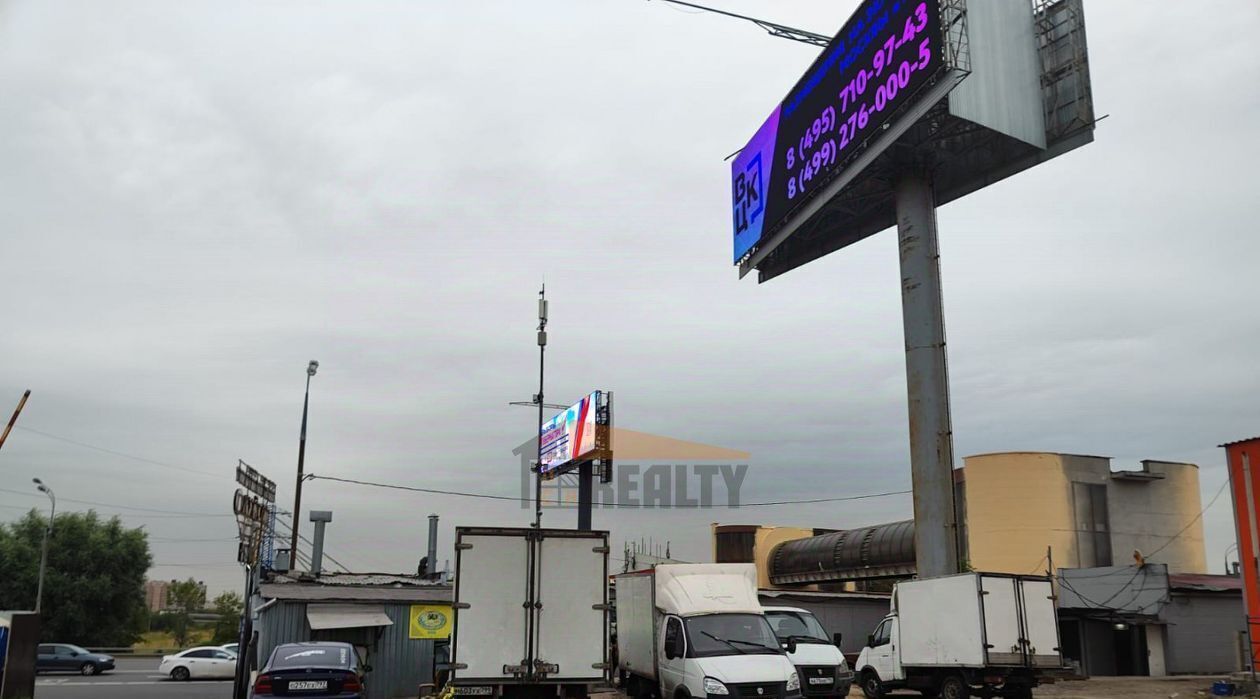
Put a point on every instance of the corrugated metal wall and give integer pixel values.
(399, 664)
(1202, 636)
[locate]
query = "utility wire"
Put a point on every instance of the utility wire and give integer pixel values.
(1192, 522)
(182, 513)
(303, 538)
(124, 455)
(510, 498)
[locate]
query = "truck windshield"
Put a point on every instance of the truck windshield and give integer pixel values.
(730, 634)
(801, 627)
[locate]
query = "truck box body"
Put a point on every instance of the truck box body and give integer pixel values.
(636, 624)
(977, 620)
(531, 606)
(686, 590)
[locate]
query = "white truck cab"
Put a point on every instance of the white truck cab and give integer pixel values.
(689, 631)
(819, 663)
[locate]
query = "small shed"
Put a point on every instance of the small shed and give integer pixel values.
(399, 623)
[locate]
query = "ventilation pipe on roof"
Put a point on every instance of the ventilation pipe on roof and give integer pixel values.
(433, 529)
(321, 518)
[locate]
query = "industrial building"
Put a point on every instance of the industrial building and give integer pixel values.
(157, 595)
(1024, 513)
(1013, 509)
(1145, 620)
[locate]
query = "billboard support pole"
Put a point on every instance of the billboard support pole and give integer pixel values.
(586, 491)
(542, 354)
(927, 381)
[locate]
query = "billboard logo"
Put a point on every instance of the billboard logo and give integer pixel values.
(649, 471)
(749, 202)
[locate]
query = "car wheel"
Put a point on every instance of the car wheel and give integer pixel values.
(871, 686)
(180, 674)
(88, 669)
(953, 687)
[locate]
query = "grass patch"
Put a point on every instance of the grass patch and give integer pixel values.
(155, 640)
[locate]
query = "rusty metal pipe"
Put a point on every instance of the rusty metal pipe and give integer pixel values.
(9, 427)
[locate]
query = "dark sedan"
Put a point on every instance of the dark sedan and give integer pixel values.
(320, 669)
(63, 657)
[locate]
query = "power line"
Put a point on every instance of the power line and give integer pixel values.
(124, 455)
(510, 498)
(308, 541)
(163, 540)
(181, 513)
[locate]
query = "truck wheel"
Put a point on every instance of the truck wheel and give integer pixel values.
(871, 686)
(953, 687)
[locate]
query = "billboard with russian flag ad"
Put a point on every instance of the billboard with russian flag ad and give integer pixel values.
(569, 436)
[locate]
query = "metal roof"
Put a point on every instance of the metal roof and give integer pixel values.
(811, 594)
(309, 591)
(1201, 582)
(1240, 441)
(357, 579)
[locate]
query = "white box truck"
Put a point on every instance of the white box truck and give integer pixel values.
(988, 634)
(697, 630)
(531, 612)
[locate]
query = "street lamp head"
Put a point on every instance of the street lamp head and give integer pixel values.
(310, 368)
(37, 481)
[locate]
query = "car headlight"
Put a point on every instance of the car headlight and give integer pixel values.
(712, 686)
(794, 682)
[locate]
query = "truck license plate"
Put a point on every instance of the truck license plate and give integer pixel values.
(474, 691)
(307, 685)
(820, 680)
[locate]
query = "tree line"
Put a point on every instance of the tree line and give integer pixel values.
(94, 583)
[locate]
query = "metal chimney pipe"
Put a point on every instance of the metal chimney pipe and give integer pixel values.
(433, 524)
(321, 518)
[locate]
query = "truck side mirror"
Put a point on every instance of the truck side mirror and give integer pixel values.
(669, 651)
(835, 638)
(790, 646)
(870, 641)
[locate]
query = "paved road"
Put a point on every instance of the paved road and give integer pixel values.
(134, 678)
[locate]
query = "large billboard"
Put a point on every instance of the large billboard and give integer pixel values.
(882, 57)
(569, 436)
(966, 93)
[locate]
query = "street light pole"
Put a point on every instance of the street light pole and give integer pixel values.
(297, 496)
(43, 556)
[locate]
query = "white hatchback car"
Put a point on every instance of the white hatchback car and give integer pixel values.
(206, 662)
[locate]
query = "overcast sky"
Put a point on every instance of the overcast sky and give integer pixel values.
(198, 197)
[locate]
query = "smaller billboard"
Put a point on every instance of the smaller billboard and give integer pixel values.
(569, 436)
(429, 621)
